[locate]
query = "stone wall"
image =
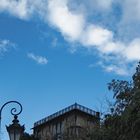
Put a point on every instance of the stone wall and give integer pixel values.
(68, 123)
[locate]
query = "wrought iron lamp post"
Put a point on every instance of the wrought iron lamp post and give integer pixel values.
(15, 130)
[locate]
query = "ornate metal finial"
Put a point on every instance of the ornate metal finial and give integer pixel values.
(15, 121)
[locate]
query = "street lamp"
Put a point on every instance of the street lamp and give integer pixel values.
(15, 130)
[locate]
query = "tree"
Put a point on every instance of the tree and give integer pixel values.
(124, 120)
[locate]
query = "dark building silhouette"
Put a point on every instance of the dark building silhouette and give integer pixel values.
(71, 121)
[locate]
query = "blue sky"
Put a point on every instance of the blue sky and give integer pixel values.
(54, 53)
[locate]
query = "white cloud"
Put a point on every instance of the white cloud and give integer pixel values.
(70, 24)
(5, 45)
(92, 35)
(95, 36)
(132, 52)
(18, 8)
(103, 4)
(116, 69)
(112, 47)
(131, 10)
(75, 26)
(39, 59)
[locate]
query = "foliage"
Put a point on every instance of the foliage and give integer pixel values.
(124, 120)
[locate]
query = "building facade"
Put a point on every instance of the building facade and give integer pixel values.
(73, 121)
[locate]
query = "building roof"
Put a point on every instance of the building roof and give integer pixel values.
(66, 110)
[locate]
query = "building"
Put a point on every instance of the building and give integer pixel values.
(71, 121)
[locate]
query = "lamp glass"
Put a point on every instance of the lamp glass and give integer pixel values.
(14, 135)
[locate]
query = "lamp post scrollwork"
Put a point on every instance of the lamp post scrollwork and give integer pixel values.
(15, 129)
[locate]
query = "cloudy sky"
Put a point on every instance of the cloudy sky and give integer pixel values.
(57, 52)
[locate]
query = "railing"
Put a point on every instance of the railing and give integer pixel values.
(63, 111)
